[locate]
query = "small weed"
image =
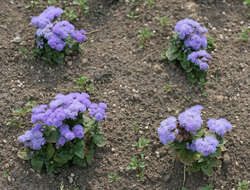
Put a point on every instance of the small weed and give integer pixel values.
(84, 84)
(113, 177)
(187, 98)
(246, 2)
(208, 187)
(51, 2)
(135, 164)
(18, 114)
(135, 128)
(32, 4)
(82, 4)
(243, 185)
(167, 86)
(132, 15)
(150, 2)
(144, 36)
(164, 21)
(70, 14)
(142, 143)
(245, 35)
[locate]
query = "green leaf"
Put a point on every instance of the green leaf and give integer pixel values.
(25, 155)
(172, 53)
(50, 167)
(50, 151)
(78, 161)
(207, 169)
(63, 157)
(90, 155)
(53, 136)
(37, 163)
(99, 141)
(187, 156)
(79, 149)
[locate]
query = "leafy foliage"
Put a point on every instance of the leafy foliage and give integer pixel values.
(52, 56)
(84, 84)
(144, 36)
(176, 55)
(243, 185)
(78, 151)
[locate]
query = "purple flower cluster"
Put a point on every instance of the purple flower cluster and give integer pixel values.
(192, 33)
(206, 145)
(55, 32)
(61, 108)
(220, 126)
(98, 111)
(190, 119)
(168, 130)
(200, 58)
(33, 138)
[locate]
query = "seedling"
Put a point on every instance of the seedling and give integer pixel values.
(19, 114)
(135, 128)
(132, 15)
(167, 86)
(113, 177)
(150, 2)
(164, 21)
(135, 164)
(246, 2)
(70, 14)
(32, 4)
(243, 185)
(51, 2)
(209, 187)
(82, 4)
(245, 35)
(142, 143)
(84, 84)
(144, 36)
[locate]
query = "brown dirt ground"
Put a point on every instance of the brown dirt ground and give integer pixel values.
(132, 84)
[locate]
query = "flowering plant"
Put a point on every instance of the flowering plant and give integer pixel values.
(63, 132)
(196, 146)
(55, 38)
(188, 48)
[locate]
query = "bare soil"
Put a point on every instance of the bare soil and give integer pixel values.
(131, 81)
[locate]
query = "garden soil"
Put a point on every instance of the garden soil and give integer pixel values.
(132, 81)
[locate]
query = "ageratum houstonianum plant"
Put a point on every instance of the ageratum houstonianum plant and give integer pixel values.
(188, 48)
(195, 145)
(55, 38)
(65, 131)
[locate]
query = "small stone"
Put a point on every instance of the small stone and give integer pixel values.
(70, 63)
(6, 165)
(72, 175)
(113, 149)
(220, 98)
(9, 179)
(97, 76)
(17, 39)
(70, 179)
(84, 60)
(226, 159)
(4, 141)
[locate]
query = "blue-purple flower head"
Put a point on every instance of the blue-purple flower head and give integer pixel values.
(47, 16)
(63, 29)
(98, 111)
(61, 108)
(188, 26)
(190, 119)
(168, 130)
(192, 33)
(33, 138)
(220, 126)
(200, 58)
(206, 146)
(56, 32)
